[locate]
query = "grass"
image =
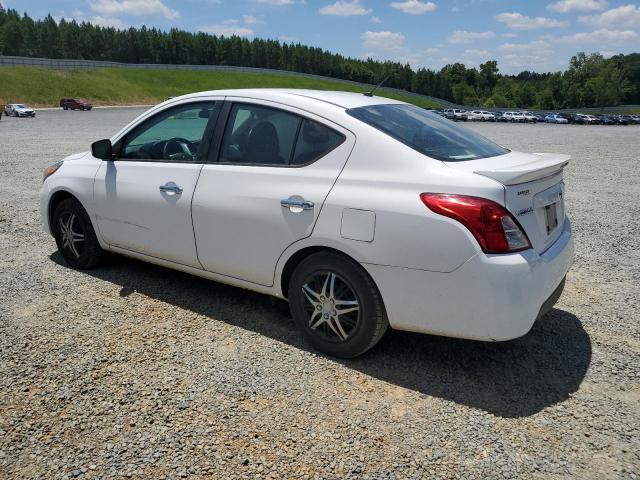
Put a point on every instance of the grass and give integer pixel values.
(40, 87)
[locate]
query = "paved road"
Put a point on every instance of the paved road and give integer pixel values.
(133, 370)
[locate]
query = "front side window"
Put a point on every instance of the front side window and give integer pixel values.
(427, 132)
(176, 134)
(258, 135)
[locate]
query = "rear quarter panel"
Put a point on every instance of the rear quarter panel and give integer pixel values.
(386, 177)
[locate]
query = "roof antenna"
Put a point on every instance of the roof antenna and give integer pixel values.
(370, 94)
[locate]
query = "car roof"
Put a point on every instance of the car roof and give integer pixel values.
(292, 96)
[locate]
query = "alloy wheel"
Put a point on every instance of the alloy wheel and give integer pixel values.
(72, 234)
(332, 306)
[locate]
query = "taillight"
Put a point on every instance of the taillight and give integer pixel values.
(493, 226)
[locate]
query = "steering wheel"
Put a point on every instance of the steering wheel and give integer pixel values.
(183, 150)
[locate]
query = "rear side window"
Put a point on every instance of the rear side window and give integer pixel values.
(427, 133)
(314, 141)
(260, 135)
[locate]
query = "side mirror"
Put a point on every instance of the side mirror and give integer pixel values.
(102, 149)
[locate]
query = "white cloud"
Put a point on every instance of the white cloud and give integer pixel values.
(80, 16)
(602, 37)
(227, 29)
(345, 8)
(518, 21)
(376, 20)
(477, 53)
(138, 8)
(565, 6)
(626, 16)
(414, 7)
(251, 20)
(107, 22)
(432, 50)
(536, 47)
(462, 36)
(509, 35)
(278, 3)
(382, 40)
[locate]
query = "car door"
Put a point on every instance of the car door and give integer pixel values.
(143, 197)
(265, 188)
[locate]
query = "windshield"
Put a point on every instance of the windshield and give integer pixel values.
(19, 105)
(427, 133)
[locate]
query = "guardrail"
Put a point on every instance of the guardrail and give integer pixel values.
(67, 64)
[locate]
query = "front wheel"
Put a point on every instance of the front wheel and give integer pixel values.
(74, 234)
(336, 305)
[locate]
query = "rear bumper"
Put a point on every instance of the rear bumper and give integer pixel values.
(490, 297)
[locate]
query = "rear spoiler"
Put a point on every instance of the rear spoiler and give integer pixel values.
(546, 165)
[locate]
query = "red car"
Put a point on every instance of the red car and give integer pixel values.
(75, 104)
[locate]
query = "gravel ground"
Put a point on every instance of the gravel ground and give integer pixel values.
(132, 370)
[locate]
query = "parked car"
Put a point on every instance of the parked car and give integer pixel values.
(456, 114)
(529, 117)
(555, 118)
(481, 116)
(629, 119)
(567, 116)
(75, 104)
(636, 119)
(19, 110)
(620, 119)
(500, 117)
(514, 117)
(341, 203)
(605, 120)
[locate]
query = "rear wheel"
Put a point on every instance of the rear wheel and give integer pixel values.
(336, 305)
(74, 234)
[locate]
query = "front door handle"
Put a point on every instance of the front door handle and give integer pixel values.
(296, 203)
(171, 188)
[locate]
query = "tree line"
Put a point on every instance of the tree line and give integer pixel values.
(589, 81)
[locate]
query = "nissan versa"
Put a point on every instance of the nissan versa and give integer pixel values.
(362, 212)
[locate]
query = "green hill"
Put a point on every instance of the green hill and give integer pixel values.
(128, 86)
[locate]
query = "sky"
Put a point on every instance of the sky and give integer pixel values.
(534, 35)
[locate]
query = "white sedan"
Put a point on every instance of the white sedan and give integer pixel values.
(514, 117)
(481, 116)
(362, 212)
(19, 110)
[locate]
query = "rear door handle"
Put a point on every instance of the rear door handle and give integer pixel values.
(296, 203)
(171, 188)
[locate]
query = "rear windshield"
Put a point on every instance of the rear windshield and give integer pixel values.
(427, 132)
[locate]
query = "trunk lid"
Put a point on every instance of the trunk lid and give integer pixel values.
(534, 190)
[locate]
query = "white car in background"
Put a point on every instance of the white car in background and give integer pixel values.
(18, 110)
(457, 114)
(529, 117)
(361, 211)
(514, 117)
(481, 116)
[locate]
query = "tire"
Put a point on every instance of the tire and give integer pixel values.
(81, 254)
(345, 335)
(64, 107)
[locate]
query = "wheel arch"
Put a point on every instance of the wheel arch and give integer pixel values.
(299, 255)
(63, 194)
